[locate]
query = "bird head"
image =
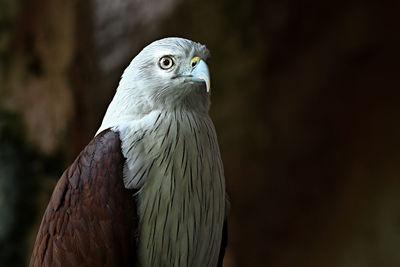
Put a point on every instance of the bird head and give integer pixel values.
(169, 73)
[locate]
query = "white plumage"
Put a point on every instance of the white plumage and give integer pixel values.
(172, 154)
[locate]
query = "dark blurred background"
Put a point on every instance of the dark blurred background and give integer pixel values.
(305, 101)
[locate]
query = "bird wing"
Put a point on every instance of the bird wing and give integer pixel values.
(91, 219)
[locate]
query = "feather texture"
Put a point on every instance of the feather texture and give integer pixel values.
(173, 160)
(91, 219)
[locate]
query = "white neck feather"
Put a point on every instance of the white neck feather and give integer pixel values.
(173, 160)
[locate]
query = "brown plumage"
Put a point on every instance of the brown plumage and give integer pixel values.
(91, 219)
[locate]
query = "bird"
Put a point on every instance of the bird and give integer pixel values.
(149, 189)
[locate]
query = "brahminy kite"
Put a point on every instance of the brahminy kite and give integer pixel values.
(149, 189)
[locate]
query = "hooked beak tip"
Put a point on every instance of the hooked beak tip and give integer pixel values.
(201, 73)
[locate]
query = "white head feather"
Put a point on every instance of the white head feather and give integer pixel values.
(145, 86)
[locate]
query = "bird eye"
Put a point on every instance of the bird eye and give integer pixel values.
(166, 62)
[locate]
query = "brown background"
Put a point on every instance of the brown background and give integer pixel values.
(305, 101)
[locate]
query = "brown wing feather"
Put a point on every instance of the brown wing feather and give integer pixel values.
(91, 218)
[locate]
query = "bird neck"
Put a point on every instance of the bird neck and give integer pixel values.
(129, 105)
(173, 161)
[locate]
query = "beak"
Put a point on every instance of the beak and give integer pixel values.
(200, 73)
